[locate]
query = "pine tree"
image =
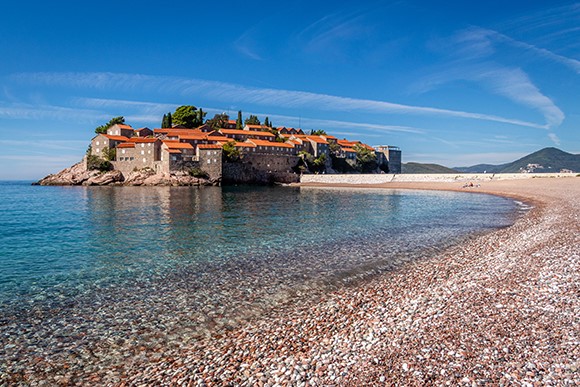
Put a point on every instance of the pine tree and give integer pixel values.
(169, 121)
(239, 121)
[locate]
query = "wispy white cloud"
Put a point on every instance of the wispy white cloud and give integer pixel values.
(221, 91)
(45, 145)
(542, 52)
(516, 85)
(332, 33)
(470, 62)
(246, 44)
(38, 112)
(554, 138)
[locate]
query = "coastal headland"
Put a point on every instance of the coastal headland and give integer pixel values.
(501, 308)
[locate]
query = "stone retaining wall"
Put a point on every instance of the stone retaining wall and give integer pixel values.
(440, 177)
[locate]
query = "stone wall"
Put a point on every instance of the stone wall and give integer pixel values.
(261, 169)
(126, 167)
(271, 163)
(210, 161)
(441, 177)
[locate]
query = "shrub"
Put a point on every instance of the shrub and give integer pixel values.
(199, 173)
(99, 164)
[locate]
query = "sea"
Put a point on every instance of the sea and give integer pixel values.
(87, 273)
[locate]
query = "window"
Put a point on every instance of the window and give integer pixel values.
(142, 145)
(97, 150)
(148, 152)
(209, 161)
(123, 151)
(144, 160)
(142, 152)
(98, 143)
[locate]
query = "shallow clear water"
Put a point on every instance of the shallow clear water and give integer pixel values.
(93, 276)
(70, 237)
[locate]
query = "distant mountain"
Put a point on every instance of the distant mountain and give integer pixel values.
(425, 168)
(543, 161)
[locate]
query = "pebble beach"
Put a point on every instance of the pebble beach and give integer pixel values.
(499, 309)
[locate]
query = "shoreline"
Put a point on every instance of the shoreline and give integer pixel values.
(501, 308)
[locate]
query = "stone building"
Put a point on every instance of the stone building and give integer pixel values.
(121, 130)
(393, 156)
(102, 141)
(317, 145)
(143, 132)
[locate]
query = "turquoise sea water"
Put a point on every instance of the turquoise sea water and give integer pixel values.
(161, 265)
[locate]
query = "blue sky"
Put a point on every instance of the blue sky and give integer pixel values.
(456, 84)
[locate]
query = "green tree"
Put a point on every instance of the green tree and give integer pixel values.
(230, 152)
(318, 132)
(366, 159)
(96, 163)
(334, 147)
(188, 116)
(169, 120)
(166, 122)
(268, 123)
(239, 121)
(112, 121)
(218, 121)
(252, 120)
(109, 154)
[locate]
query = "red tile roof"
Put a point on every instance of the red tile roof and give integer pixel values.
(258, 127)
(116, 138)
(245, 145)
(193, 136)
(177, 145)
(247, 132)
(209, 146)
(126, 145)
(317, 139)
(219, 138)
(271, 143)
(123, 126)
(143, 139)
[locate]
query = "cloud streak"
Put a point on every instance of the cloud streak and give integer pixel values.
(221, 91)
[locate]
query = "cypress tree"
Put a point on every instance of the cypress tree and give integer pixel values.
(169, 121)
(239, 122)
(164, 121)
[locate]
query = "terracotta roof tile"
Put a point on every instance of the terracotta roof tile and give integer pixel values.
(116, 138)
(177, 145)
(247, 132)
(126, 145)
(271, 143)
(209, 146)
(317, 139)
(143, 139)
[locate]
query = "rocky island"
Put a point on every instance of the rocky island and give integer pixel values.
(190, 151)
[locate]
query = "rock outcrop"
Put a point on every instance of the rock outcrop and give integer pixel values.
(75, 175)
(106, 178)
(79, 175)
